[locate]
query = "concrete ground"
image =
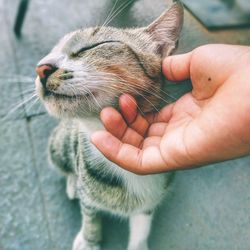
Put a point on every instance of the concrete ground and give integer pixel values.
(208, 209)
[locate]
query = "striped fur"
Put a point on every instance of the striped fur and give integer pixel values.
(95, 66)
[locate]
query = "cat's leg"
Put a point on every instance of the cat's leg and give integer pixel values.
(140, 225)
(90, 235)
(71, 184)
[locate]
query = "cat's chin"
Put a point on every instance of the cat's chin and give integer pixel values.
(67, 97)
(66, 110)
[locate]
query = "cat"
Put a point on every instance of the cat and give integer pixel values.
(86, 71)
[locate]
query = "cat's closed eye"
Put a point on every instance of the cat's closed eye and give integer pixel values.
(89, 47)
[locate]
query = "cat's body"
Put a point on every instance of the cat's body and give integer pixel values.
(99, 184)
(106, 187)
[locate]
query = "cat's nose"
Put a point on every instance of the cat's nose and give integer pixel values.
(44, 71)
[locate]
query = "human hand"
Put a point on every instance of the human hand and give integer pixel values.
(209, 124)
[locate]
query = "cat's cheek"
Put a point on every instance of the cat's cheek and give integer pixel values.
(52, 109)
(60, 109)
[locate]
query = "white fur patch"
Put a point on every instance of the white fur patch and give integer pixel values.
(81, 244)
(140, 225)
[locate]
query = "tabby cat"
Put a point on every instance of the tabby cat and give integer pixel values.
(85, 72)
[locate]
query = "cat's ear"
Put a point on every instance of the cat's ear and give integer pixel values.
(166, 29)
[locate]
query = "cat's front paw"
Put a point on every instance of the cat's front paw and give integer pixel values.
(71, 186)
(143, 246)
(81, 244)
(140, 248)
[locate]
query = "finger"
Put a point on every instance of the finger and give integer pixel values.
(115, 124)
(132, 137)
(134, 119)
(145, 161)
(177, 68)
(128, 106)
(140, 125)
(151, 141)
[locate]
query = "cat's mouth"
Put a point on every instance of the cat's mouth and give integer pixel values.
(51, 94)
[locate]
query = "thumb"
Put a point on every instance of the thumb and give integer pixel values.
(177, 67)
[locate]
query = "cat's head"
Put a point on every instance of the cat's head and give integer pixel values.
(90, 68)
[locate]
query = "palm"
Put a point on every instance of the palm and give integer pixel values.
(173, 118)
(148, 134)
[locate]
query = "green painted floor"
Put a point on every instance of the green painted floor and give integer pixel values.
(208, 209)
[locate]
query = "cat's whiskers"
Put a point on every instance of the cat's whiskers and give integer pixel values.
(111, 80)
(81, 90)
(24, 93)
(15, 78)
(39, 108)
(140, 94)
(30, 105)
(67, 88)
(114, 94)
(92, 95)
(110, 86)
(161, 90)
(168, 95)
(74, 90)
(132, 89)
(100, 78)
(156, 94)
(85, 97)
(118, 11)
(28, 91)
(104, 89)
(144, 88)
(112, 89)
(131, 99)
(118, 95)
(110, 14)
(98, 104)
(19, 105)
